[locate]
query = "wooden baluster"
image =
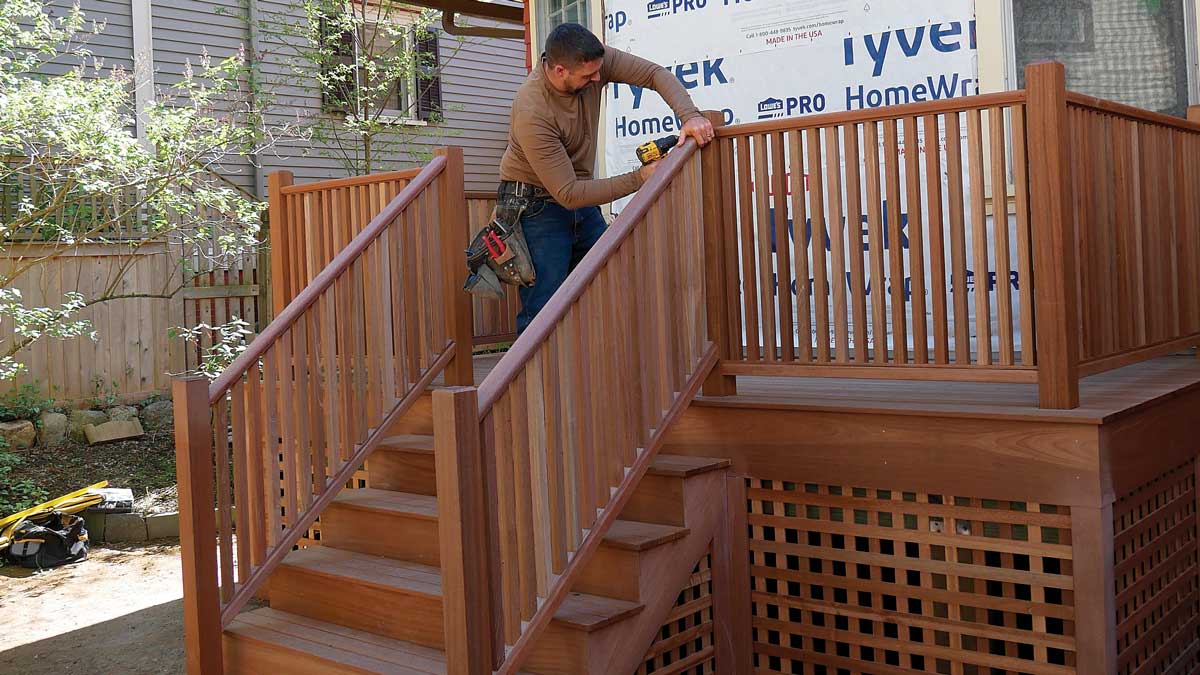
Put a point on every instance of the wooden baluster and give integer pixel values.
(895, 245)
(979, 248)
(556, 493)
(197, 526)
(729, 210)
(287, 426)
(256, 473)
(526, 555)
(224, 490)
(577, 397)
(334, 434)
(282, 286)
(271, 446)
(1024, 253)
(356, 281)
(820, 291)
(463, 514)
(916, 239)
(766, 281)
(783, 261)
(241, 477)
(875, 247)
(718, 277)
(746, 229)
(318, 442)
(800, 246)
(386, 326)
(837, 245)
(499, 423)
(1053, 237)
(958, 240)
(1000, 237)
(854, 230)
(303, 410)
(937, 247)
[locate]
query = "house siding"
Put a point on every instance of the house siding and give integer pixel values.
(479, 78)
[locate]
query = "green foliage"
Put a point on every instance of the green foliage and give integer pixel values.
(104, 395)
(16, 495)
(228, 341)
(72, 174)
(24, 402)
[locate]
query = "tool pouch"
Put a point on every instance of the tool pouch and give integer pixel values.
(499, 254)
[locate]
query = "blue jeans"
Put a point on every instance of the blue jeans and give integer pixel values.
(558, 239)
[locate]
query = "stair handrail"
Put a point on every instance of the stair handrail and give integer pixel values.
(353, 351)
(578, 486)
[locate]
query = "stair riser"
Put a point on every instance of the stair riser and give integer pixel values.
(611, 573)
(347, 602)
(418, 420)
(386, 533)
(657, 499)
(251, 656)
(403, 471)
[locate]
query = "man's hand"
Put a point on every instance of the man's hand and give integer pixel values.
(698, 128)
(647, 170)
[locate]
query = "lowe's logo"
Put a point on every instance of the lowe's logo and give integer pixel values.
(774, 108)
(659, 8)
(770, 108)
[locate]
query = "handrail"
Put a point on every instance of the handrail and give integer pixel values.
(957, 104)
(325, 279)
(543, 324)
(367, 179)
(1131, 112)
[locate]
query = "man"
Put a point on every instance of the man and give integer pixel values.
(552, 148)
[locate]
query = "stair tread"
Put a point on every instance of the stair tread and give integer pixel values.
(415, 443)
(579, 610)
(633, 535)
(424, 506)
(683, 466)
(389, 572)
(348, 647)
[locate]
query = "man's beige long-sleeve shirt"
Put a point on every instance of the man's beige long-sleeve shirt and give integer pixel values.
(552, 139)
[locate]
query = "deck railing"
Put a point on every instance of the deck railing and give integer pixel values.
(312, 222)
(286, 425)
(1084, 257)
(534, 468)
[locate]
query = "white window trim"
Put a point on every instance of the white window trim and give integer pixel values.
(391, 115)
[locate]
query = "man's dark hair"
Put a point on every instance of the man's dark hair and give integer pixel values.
(570, 44)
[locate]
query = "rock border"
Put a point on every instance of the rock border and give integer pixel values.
(113, 528)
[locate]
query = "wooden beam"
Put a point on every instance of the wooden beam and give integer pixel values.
(715, 278)
(278, 226)
(197, 526)
(1053, 226)
(205, 292)
(484, 10)
(463, 532)
(455, 234)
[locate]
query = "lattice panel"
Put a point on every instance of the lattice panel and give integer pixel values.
(1158, 599)
(684, 645)
(849, 580)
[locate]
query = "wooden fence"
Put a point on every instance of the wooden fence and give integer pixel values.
(312, 222)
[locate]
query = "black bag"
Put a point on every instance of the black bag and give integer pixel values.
(57, 539)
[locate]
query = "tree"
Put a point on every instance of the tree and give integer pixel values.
(73, 174)
(377, 68)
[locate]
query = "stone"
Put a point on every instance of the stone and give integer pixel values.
(78, 419)
(122, 413)
(52, 429)
(158, 415)
(18, 435)
(124, 527)
(112, 431)
(163, 525)
(94, 522)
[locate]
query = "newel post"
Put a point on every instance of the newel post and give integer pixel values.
(465, 545)
(1193, 114)
(197, 526)
(455, 235)
(716, 277)
(281, 283)
(1056, 310)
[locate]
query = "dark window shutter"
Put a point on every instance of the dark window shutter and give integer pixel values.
(429, 80)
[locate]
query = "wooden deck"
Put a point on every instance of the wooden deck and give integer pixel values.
(1103, 398)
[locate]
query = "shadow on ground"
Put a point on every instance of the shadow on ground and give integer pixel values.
(145, 642)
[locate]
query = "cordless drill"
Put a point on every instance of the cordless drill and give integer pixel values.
(655, 150)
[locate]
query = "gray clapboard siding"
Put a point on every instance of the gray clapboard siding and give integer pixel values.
(113, 45)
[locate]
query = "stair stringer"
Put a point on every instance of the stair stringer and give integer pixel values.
(664, 572)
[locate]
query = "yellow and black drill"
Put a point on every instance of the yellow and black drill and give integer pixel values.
(652, 151)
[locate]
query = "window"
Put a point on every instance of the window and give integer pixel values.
(1131, 51)
(551, 13)
(416, 96)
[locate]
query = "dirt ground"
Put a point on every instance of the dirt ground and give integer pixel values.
(142, 464)
(120, 611)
